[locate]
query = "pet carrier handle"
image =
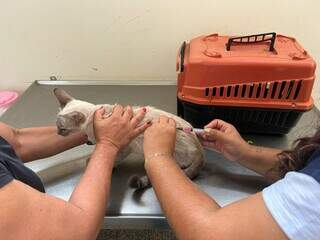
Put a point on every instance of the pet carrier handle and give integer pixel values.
(182, 50)
(263, 37)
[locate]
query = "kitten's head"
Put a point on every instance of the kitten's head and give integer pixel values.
(74, 114)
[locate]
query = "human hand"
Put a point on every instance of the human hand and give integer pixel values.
(160, 138)
(120, 128)
(224, 138)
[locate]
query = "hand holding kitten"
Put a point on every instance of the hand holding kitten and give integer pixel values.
(118, 129)
(160, 138)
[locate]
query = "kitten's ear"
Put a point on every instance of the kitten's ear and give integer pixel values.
(62, 96)
(77, 117)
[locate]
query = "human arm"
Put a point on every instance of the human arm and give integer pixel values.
(46, 216)
(120, 129)
(224, 138)
(39, 142)
(192, 213)
(79, 218)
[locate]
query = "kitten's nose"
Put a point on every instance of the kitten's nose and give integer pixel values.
(60, 126)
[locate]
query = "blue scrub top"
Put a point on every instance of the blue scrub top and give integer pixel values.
(11, 167)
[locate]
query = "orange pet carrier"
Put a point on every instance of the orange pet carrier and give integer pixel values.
(260, 83)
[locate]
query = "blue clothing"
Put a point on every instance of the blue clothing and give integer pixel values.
(313, 166)
(11, 167)
(294, 201)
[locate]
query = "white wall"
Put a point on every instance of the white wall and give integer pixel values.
(132, 39)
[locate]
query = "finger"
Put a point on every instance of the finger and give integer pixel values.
(200, 134)
(138, 117)
(117, 110)
(215, 135)
(217, 124)
(206, 143)
(212, 124)
(140, 129)
(128, 113)
(210, 145)
(156, 120)
(98, 114)
(172, 122)
(163, 119)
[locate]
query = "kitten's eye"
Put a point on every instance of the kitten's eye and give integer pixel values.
(62, 131)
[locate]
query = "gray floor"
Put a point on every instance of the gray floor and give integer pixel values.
(124, 234)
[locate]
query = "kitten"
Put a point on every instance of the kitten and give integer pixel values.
(77, 115)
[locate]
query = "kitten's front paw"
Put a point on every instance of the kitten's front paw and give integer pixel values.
(89, 142)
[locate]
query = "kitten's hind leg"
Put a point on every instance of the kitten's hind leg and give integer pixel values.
(196, 165)
(139, 182)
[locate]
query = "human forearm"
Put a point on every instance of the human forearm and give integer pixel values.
(186, 204)
(259, 159)
(112, 134)
(191, 212)
(40, 142)
(224, 138)
(92, 193)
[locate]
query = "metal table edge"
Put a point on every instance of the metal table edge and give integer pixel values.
(106, 82)
(135, 222)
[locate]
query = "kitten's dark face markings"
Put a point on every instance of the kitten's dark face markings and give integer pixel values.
(61, 126)
(69, 122)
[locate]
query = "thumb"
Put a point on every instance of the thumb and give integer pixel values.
(215, 135)
(210, 145)
(99, 113)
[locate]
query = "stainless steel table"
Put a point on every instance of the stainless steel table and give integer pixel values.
(225, 181)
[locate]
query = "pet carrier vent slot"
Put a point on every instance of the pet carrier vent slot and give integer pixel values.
(266, 90)
(236, 90)
(274, 89)
(296, 94)
(283, 85)
(244, 88)
(214, 91)
(207, 92)
(251, 90)
(228, 91)
(259, 90)
(221, 91)
(290, 88)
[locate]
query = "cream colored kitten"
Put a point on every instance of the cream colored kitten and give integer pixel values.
(77, 115)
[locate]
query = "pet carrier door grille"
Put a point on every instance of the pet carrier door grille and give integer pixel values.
(279, 90)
